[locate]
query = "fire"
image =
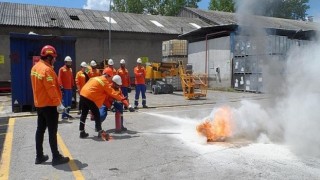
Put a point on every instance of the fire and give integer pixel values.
(219, 128)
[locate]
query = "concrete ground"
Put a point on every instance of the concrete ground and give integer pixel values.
(161, 143)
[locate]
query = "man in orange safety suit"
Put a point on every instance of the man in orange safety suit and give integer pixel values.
(66, 82)
(47, 100)
(81, 79)
(92, 95)
(125, 78)
(110, 68)
(140, 75)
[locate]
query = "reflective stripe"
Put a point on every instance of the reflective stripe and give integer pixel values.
(37, 75)
(100, 81)
(136, 100)
(143, 99)
(49, 78)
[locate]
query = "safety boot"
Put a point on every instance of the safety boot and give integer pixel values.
(145, 106)
(41, 159)
(59, 160)
(83, 134)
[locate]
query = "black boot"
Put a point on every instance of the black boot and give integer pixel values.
(59, 160)
(41, 159)
(83, 134)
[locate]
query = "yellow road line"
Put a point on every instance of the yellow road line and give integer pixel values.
(1, 107)
(6, 153)
(75, 170)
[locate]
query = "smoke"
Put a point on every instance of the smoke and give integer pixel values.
(97, 5)
(293, 80)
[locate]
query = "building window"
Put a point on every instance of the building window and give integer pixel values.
(195, 25)
(156, 23)
(108, 19)
(76, 18)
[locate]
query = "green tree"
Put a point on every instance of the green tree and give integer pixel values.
(155, 7)
(289, 9)
(152, 6)
(135, 6)
(222, 5)
(119, 6)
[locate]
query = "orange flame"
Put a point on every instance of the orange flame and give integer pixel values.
(219, 128)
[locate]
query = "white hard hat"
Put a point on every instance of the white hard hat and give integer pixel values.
(83, 64)
(122, 61)
(139, 60)
(68, 59)
(117, 79)
(93, 63)
(110, 62)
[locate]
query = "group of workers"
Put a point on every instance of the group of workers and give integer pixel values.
(98, 92)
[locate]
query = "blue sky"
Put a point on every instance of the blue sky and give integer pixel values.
(96, 4)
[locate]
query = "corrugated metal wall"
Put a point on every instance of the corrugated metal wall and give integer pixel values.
(219, 60)
(94, 45)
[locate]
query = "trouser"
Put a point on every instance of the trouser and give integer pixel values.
(67, 101)
(140, 88)
(80, 104)
(47, 117)
(124, 91)
(104, 111)
(87, 105)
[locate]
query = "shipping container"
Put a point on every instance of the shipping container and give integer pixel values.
(24, 50)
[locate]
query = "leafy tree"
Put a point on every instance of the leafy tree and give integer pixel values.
(152, 6)
(119, 6)
(289, 9)
(155, 7)
(135, 6)
(222, 5)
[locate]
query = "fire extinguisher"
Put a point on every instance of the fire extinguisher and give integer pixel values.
(118, 121)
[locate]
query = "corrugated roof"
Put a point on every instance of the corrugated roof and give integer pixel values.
(47, 16)
(226, 18)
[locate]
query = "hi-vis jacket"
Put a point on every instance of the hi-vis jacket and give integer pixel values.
(98, 88)
(65, 77)
(113, 70)
(81, 80)
(44, 80)
(93, 72)
(140, 74)
(125, 77)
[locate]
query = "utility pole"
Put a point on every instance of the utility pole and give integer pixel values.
(110, 29)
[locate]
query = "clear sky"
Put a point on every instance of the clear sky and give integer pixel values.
(104, 5)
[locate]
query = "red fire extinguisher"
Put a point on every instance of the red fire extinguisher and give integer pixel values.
(118, 121)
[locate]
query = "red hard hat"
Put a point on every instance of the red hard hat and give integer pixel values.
(108, 71)
(48, 50)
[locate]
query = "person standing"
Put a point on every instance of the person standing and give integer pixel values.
(125, 78)
(110, 68)
(47, 100)
(81, 78)
(65, 79)
(140, 75)
(94, 72)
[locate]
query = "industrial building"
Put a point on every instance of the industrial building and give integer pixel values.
(232, 51)
(132, 35)
(236, 49)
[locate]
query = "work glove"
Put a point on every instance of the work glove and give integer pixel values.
(61, 108)
(130, 108)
